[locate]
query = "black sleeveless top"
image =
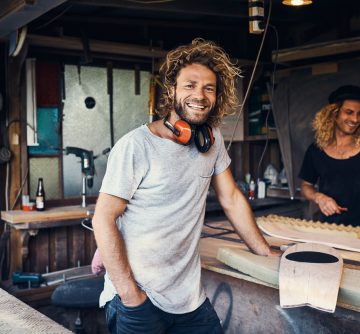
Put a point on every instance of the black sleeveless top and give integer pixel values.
(337, 178)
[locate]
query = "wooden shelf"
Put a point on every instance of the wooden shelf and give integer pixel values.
(272, 135)
(51, 214)
(310, 51)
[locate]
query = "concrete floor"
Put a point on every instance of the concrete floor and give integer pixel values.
(93, 319)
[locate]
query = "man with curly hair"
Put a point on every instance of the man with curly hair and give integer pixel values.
(333, 161)
(151, 207)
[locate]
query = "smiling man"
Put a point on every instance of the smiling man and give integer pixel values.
(151, 207)
(333, 161)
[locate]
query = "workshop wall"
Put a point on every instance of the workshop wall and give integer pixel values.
(89, 128)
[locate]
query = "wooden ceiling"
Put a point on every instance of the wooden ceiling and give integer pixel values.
(164, 24)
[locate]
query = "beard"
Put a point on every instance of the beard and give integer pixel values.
(188, 116)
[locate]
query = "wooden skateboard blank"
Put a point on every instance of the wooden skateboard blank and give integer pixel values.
(305, 280)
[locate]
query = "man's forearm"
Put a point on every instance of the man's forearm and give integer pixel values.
(241, 217)
(113, 252)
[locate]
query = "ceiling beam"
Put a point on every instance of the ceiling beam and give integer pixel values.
(15, 14)
(150, 22)
(238, 9)
(74, 43)
(332, 48)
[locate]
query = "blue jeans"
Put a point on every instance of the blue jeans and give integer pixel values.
(149, 319)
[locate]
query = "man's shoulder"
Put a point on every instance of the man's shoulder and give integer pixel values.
(133, 135)
(132, 138)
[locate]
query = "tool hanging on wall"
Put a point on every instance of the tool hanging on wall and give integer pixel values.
(110, 91)
(87, 168)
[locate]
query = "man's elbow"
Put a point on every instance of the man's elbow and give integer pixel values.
(229, 203)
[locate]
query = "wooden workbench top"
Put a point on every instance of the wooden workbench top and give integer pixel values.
(51, 214)
(17, 317)
(209, 247)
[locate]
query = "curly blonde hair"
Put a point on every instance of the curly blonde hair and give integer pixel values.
(324, 126)
(206, 53)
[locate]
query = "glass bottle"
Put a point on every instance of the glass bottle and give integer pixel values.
(40, 195)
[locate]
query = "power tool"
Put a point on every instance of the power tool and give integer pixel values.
(24, 279)
(87, 168)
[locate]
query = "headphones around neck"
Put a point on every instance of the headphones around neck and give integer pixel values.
(186, 133)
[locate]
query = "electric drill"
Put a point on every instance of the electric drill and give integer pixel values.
(87, 162)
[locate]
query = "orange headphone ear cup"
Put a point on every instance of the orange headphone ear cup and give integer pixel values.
(185, 131)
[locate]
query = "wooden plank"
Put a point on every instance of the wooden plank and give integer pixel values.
(309, 275)
(17, 317)
(74, 43)
(17, 243)
(51, 214)
(324, 68)
(77, 245)
(41, 253)
(59, 249)
(317, 50)
(90, 246)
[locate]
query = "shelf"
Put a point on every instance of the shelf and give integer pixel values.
(310, 51)
(271, 135)
(281, 192)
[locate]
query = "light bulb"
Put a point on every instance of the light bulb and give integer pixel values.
(297, 2)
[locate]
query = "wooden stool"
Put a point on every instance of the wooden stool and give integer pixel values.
(79, 294)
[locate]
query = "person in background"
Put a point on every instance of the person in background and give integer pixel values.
(333, 161)
(150, 211)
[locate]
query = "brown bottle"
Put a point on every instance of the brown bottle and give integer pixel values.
(40, 196)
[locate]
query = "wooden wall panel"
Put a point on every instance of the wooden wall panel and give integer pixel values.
(90, 245)
(59, 248)
(76, 246)
(41, 256)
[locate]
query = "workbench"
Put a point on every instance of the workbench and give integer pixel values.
(248, 305)
(17, 317)
(53, 228)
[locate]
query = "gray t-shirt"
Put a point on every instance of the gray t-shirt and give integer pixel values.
(166, 185)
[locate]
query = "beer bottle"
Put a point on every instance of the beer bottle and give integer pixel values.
(40, 196)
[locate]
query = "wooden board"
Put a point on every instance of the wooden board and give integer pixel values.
(17, 317)
(343, 237)
(51, 214)
(309, 275)
(264, 269)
